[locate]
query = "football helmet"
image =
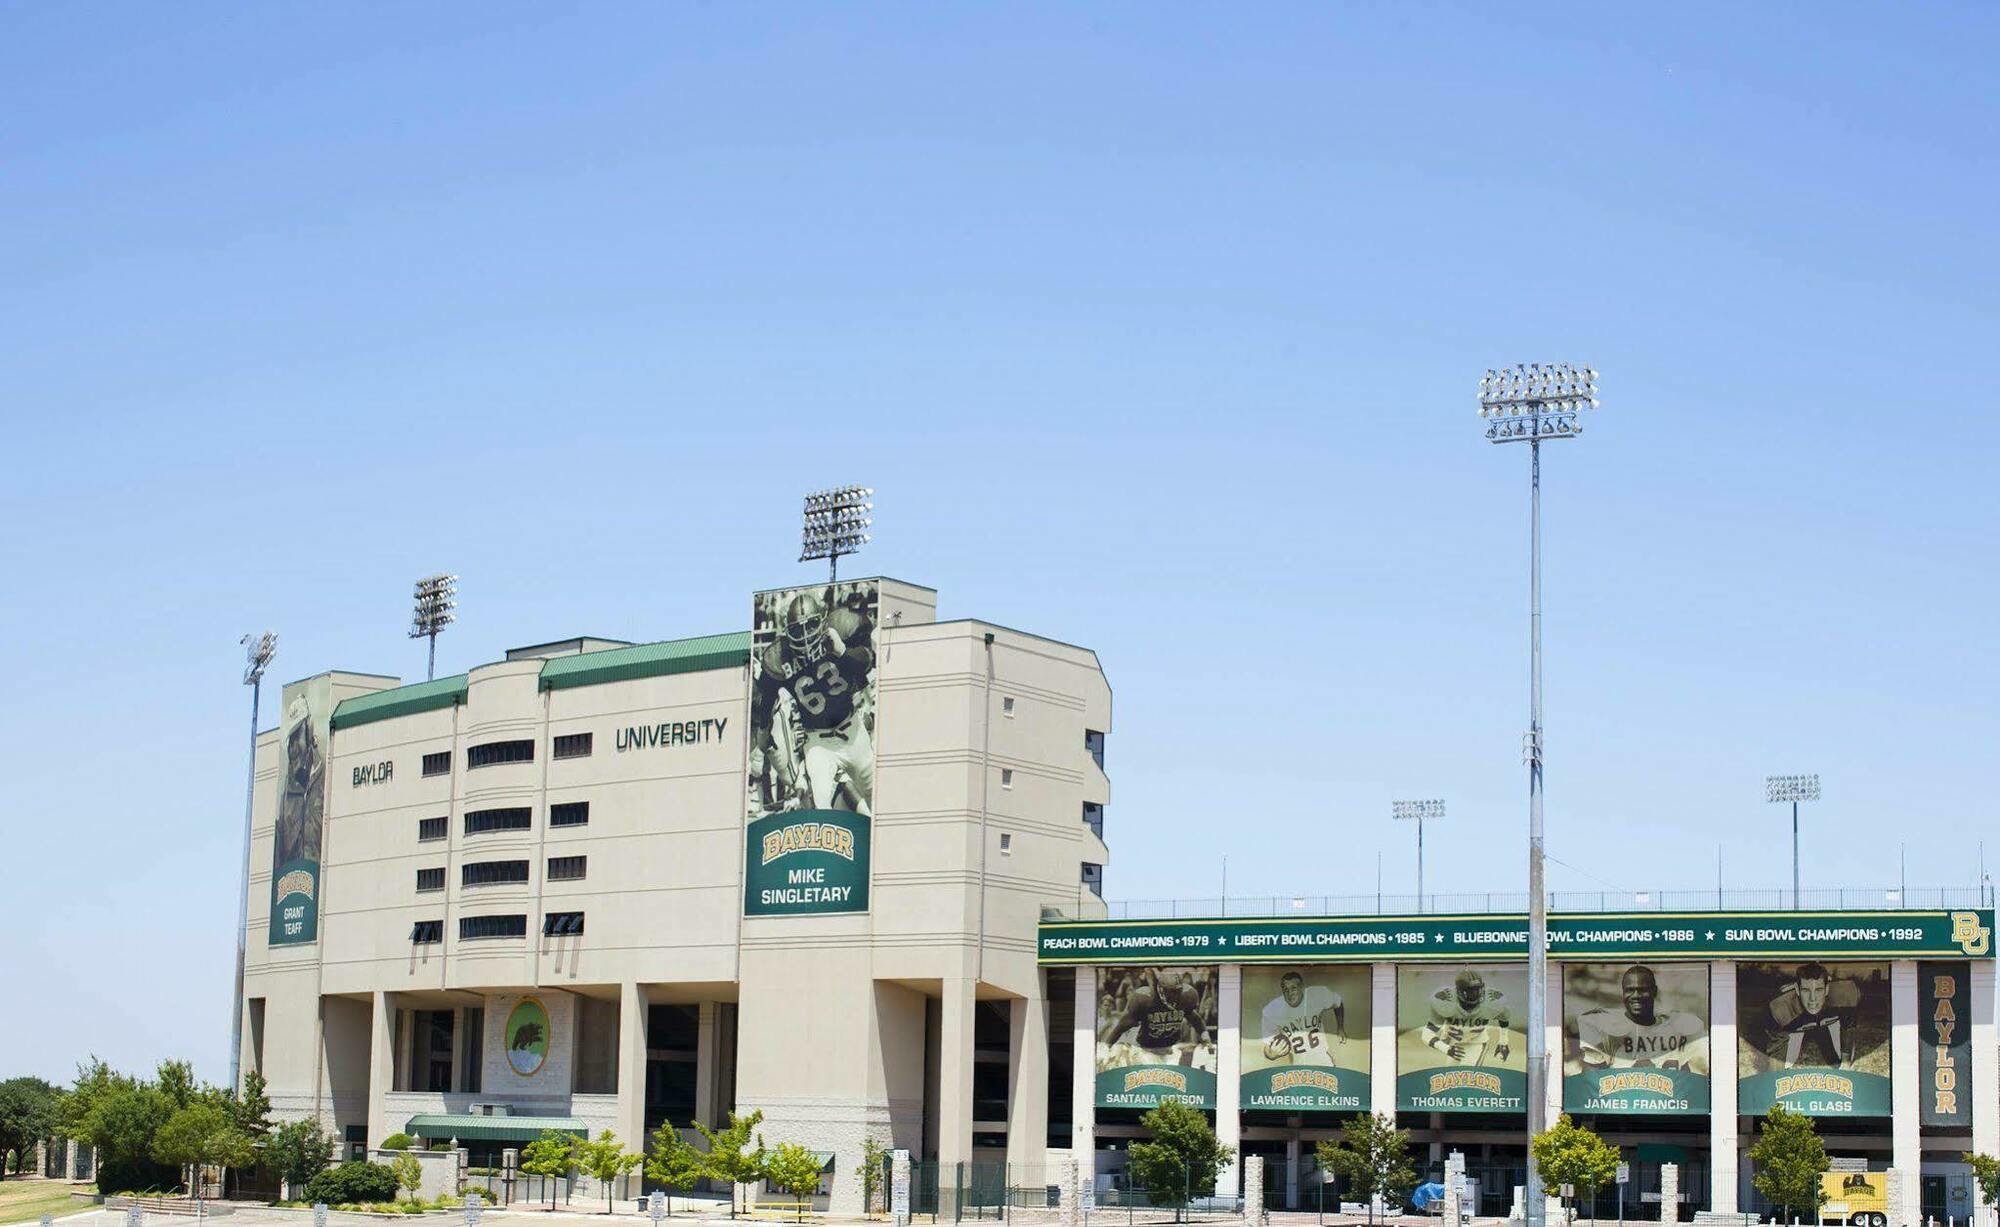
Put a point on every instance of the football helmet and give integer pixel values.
(805, 626)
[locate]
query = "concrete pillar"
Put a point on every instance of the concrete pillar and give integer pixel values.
(1985, 1071)
(69, 1159)
(1229, 1074)
(1723, 1163)
(1253, 1190)
(381, 1066)
(1552, 1043)
(1670, 1194)
(1902, 1183)
(1454, 1189)
(1292, 1151)
(1064, 1178)
(1028, 1082)
(631, 1125)
(1083, 1076)
(1905, 1090)
(707, 1069)
(42, 1158)
(1382, 1043)
(954, 1144)
(457, 1047)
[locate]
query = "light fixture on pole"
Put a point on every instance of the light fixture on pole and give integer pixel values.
(1417, 811)
(436, 599)
(836, 523)
(1529, 404)
(257, 651)
(1779, 789)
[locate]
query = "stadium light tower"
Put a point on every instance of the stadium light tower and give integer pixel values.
(836, 522)
(1779, 789)
(1529, 404)
(258, 651)
(436, 599)
(1417, 811)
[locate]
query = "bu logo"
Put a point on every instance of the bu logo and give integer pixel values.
(1971, 936)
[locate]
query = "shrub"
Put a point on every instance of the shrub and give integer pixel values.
(352, 1182)
(398, 1141)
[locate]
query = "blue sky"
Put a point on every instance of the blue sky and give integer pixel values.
(1158, 330)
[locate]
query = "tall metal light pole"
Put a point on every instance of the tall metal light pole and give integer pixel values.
(1530, 404)
(436, 599)
(1417, 811)
(1779, 789)
(836, 523)
(258, 651)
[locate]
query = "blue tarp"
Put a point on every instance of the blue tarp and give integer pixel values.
(1427, 1195)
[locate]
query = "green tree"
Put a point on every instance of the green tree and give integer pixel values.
(198, 1136)
(299, 1150)
(1569, 1154)
(175, 1080)
(794, 1169)
(1986, 1174)
(550, 1156)
(607, 1160)
(251, 1110)
(729, 1158)
(1789, 1159)
(873, 1153)
(123, 1117)
(1180, 1159)
(29, 1113)
(1372, 1156)
(409, 1173)
(671, 1162)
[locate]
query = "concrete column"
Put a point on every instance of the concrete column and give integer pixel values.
(1985, 1071)
(457, 1048)
(381, 1067)
(1723, 1162)
(69, 1159)
(1229, 1074)
(954, 1144)
(1905, 1089)
(1028, 1082)
(1670, 1194)
(1902, 1184)
(1083, 1076)
(1253, 1190)
(632, 1005)
(1382, 1043)
(1292, 1154)
(1552, 1043)
(1064, 1178)
(1454, 1189)
(707, 1069)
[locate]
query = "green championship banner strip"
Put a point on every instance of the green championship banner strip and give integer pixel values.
(1400, 939)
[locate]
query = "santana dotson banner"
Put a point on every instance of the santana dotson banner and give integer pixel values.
(1814, 1037)
(811, 785)
(1460, 1041)
(1944, 1054)
(1156, 1034)
(1635, 1038)
(1305, 1039)
(301, 822)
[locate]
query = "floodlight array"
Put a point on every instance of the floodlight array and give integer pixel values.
(1536, 400)
(434, 605)
(1406, 811)
(257, 652)
(836, 522)
(1780, 789)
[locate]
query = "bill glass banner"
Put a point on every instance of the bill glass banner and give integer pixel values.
(295, 844)
(1305, 1039)
(1635, 1038)
(811, 784)
(1944, 1056)
(1814, 1037)
(1460, 1038)
(1156, 1032)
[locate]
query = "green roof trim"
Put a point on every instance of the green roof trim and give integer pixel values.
(441, 1128)
(698, 655)
(401, 701)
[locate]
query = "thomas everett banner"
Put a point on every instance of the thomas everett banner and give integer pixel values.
(1156, 1030)
(1814, 1037)
(1460, 1038)
(1635, 1038)
(301, 822)
(1305, 1038)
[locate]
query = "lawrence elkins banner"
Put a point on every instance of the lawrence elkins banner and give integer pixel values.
(1461, 1041)
(1814, 1037)
(811, 785)
(1635, 1038)
(1305, 1039)
(301, 822)
(1156, 1033)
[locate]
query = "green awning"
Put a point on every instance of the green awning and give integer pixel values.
(825, 1158)
(401, 701)
(705, 652)
(441, 1128)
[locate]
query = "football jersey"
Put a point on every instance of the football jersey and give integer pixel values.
(1814, 1039)
(1163, 1021)
(1611, 1038)
(1456, 1021)
(823, 690)
(1297, 1027)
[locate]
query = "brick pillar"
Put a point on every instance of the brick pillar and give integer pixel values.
(1670, 1194)
(1899, 1190)
(1069, 1192)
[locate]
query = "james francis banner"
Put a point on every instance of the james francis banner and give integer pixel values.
(1635, 1038)
(301, 822)
(1814, 1037)
(811, 785)
(1305, 1039)
(1460, 1038)
(1156, 1029)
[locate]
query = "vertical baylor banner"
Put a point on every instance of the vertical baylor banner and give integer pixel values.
(1635, 1038)
(1156, 1030)
(1305, 1038)
(302, 751)
(812, 749)
(1461, 1038)
(1814, 1037)
(1944, 1057)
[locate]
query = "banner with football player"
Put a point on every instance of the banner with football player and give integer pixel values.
(1814, 1037)
(1635, 1038)
(301, 821)
(812, 749)
(1461, 1038)
(1156, 1032)
(1305, 1038)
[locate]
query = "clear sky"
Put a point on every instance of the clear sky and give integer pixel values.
(1158, 328)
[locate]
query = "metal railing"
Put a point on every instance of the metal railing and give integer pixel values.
(1775, 899)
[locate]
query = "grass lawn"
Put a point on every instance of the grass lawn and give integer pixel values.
(25, 1200)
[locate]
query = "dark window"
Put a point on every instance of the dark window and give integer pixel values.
(1093, 877)
(430, 879)
(438, 764)
(1093, 817)
(475, 1049)
(493, 873)
(427, 932)
(569, 814)
(571, 745)
(514, 818)
(493, 753)
(562, 924)
(566, 868)
(674, 1027)
(470, 927)
(430, 1056)
(431, 828)
(1093, 741)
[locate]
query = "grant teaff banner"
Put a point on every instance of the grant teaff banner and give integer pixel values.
(1635, 1038)
(1944, 1059)
(811, 785)
(1305, 1039)
(1156, 1031)
(1814, 1037)
(1461, 1043)
(302, 751)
